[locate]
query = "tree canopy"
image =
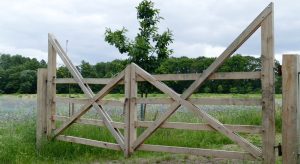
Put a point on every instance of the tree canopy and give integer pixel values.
(149, 48)
(18, 74)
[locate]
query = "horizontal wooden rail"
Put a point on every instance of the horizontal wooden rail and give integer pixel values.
(85, 100)
(86, 121)
(196, 101)
(197, 151)
(202, 127)
(172, 77)
(169, 125)
(161, 148)
(89, 142)
(205, 101)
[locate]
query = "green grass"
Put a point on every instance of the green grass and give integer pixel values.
(17, 139)
(207, 95)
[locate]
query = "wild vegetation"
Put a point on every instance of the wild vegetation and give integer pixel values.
(17, 133)
(18, 74)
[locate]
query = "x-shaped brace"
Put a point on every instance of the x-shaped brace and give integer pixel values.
(181, 100)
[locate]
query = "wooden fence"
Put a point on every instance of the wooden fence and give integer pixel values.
(290, 109)
(130, 142)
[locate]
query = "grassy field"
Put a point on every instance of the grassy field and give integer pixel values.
(17, 137)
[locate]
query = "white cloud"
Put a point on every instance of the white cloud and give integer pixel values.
(279, 56)
(196, 50)
(28, 52)
(200, 27)
(290, 52)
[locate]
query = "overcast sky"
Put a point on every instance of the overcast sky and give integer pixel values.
(200, 27)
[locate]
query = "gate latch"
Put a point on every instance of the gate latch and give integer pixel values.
(279, 149)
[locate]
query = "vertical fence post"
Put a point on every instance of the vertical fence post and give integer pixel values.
(268, 88)
(127, 111)
(51, 88)
(130, 108)
(133, 107)
(290, 107)
(41, 115)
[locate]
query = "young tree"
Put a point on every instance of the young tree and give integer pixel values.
(149, 48)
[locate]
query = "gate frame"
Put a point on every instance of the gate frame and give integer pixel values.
(130, 142)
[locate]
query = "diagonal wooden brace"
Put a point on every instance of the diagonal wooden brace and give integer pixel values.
(93, 103)
(88, 92)
(256, 152)
(255, 24)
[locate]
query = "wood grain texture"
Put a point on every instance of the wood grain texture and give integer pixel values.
(41, 115)
(89, 142)
(290, 108)
(85, 100)
(172, 77)
(133, 107)
(51, 88)
(127, 111)
(268, 87)
(205, 101)
(197, 151)
(196, 101)
(168, 125)
(202, 127)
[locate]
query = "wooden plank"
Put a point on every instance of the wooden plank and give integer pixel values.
(87, 121)
(255, 151)
(85, 80)
(168, 125)
(290, 107)
(268, 87)
(130, 108)
(133, 107)
(234, 75)
(41, 120)
(204, 101)
(127, 111)
(205, 75)
(51, 88)
(197, 151)
(89, 93)
(85, 100)
(172, 77)
(89, 142)
(196, 101)
(214, 76)
(202, 127)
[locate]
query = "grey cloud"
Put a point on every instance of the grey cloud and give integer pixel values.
(200, 27)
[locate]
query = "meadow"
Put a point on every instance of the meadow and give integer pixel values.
(17, 133)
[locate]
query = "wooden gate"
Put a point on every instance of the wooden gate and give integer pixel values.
(130, 142)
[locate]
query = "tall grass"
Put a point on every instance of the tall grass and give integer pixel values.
(17, 139)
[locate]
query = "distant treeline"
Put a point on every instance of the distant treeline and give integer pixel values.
(18, 74)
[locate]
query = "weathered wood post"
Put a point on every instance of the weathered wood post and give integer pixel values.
(51, 88)
(130, 109)
(41, 115)
(290, 109)
(268, 87)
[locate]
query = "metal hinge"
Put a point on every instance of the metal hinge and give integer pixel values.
(279, 149)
